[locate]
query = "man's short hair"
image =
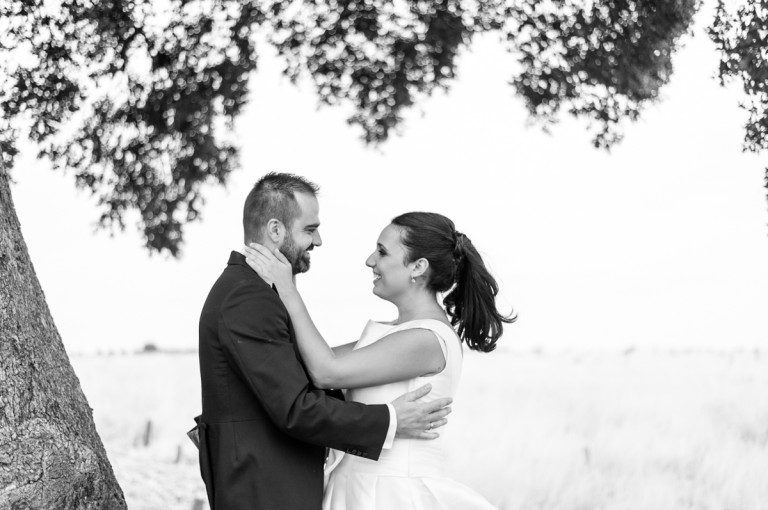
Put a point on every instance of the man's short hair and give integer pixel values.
(274, 196)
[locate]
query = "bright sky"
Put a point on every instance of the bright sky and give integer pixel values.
(661, 243)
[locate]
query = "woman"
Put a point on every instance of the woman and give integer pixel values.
(417, 256)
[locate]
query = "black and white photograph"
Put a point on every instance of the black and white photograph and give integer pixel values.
(384, 255)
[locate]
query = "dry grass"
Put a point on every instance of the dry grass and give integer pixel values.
(532, 431)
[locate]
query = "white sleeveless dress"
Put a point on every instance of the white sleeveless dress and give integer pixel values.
(410, 475)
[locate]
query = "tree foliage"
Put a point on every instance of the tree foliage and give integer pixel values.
(741, 36)
(134, 98)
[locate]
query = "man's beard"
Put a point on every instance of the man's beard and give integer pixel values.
(299, 258)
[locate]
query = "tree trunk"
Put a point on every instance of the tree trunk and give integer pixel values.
(50, 454)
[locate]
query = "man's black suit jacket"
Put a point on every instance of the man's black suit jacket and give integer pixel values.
(264, 426)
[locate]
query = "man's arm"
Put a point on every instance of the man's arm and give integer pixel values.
(253, 328)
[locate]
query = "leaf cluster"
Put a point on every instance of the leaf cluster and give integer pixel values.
(741, 37)
(128, 107)
(604, 62)
(135, 98)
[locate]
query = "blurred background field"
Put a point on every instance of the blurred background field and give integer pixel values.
(532, 430)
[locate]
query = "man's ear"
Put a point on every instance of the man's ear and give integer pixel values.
(419, 267)
(275, 231)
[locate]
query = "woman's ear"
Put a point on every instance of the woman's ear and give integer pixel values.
(276, 231)
(419, 267)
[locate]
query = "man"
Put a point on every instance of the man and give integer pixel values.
(264, 426)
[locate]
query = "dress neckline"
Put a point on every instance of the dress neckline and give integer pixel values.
(410, 321)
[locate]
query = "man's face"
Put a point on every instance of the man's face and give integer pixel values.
(303, 234)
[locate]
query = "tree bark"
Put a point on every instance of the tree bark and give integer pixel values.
(50, 454)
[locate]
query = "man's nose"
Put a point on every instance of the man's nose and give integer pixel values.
(316, 239)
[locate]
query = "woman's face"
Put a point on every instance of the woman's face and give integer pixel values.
(391, 276)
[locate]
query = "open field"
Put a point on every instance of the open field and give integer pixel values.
(647, 430)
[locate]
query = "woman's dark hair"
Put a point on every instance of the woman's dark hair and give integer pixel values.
(455, 266)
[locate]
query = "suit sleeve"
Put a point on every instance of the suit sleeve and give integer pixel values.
(254, 331)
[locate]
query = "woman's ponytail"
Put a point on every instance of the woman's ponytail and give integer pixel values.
(471, 304)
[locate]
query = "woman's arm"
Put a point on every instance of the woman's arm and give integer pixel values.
(344, 348)
(396, 357)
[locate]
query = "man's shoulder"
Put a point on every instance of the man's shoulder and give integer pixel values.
(237, 283)
(243, 281)
(252, 304)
